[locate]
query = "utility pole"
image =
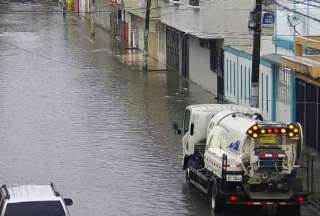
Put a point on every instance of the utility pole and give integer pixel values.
(146, 37)
(93, 23)
(254, 102)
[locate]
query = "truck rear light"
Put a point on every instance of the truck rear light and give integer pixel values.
(233, 198)
(253, 203)
(276, 130)
(300, 200)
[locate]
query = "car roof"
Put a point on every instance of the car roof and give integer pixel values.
(26, 193)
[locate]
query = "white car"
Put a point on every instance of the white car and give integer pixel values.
(33, 200)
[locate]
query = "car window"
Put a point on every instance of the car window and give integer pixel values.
(2, 199)
(186, 121)
(41, 208)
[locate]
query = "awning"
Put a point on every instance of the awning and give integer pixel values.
(302, 65)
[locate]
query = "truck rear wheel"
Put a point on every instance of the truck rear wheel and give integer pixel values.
(292, 210)
(217, 203)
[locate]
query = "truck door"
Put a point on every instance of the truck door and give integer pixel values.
(186, 133)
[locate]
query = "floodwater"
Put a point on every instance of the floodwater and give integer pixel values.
(71, 112)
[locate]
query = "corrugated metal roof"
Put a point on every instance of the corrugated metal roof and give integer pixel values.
(26, 193)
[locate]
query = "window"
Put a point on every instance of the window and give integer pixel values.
(40, 208)
(119, 15)
(267, 92)
(186, 121)
(262, 93)
(234, 79)
(230, 76)
(194, 3)
(241, 82)
(227, 71)
(283, 93)
(2, 199)
(249, 86)
(245, 83)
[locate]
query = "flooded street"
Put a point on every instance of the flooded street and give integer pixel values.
(71, 112)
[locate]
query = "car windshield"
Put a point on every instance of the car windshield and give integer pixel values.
(41, 208)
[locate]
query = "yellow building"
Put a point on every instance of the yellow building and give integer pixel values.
(134, 24)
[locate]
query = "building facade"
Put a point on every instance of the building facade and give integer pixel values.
(297, 42)
(197, 32)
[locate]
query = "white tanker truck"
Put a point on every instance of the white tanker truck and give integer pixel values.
(237, 158)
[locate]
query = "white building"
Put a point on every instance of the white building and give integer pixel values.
(196, 33)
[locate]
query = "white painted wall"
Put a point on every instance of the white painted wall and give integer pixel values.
(199, 67)
(82, 7)
(237, 83)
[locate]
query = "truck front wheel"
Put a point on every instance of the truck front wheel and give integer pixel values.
(217, 203)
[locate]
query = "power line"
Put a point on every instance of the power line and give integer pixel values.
(300, 2)
(297, 12)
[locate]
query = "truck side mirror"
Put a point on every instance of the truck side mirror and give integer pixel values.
(176, 128)
(192, 129)
(68, 201)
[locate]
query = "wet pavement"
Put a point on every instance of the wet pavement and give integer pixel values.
(71, 112)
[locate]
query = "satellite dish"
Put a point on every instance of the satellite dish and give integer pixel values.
(294, 20)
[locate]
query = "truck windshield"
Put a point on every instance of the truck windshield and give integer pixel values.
(41, 208)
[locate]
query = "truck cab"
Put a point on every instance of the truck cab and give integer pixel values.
(195, 123)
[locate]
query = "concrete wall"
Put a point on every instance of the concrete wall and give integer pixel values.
(136, 7)
(199, 66)
(221, 17)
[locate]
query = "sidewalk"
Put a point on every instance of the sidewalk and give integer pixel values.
(132, 57)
